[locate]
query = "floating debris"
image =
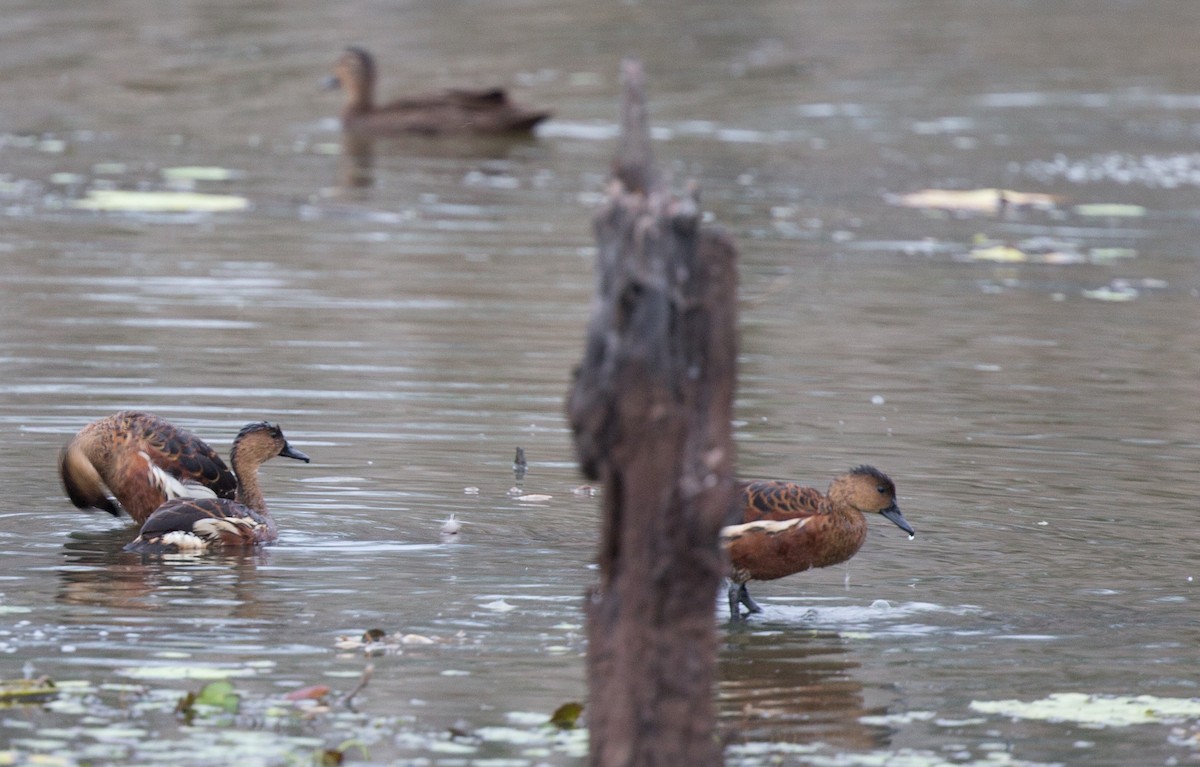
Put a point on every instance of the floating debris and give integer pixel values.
(520, 465)
(379, 642)
(534, 498)
(451, 527)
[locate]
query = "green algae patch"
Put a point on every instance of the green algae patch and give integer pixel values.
(119, 201)
(1096, 710)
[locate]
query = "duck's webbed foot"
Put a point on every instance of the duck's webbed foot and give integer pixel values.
(744, 597)
(738, 595)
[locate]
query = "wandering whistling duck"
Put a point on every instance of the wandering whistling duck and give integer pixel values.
(453, 111)
(198, 524)
(787, 528)
(144, 461)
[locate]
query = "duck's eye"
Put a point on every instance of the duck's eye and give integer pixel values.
(881, 489)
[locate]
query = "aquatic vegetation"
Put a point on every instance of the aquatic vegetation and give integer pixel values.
(1096, 710)
(23, 692)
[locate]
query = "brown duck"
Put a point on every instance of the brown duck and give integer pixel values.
(143, 460)
(787, 528)
(452, 111)
(193, 525)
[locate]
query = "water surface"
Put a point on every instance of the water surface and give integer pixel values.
(411, 315)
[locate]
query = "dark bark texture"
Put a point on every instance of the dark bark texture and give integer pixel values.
(650, 409)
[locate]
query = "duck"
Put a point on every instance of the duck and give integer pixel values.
(194, 525)
(787, 528)
(132, 462)
(447, 112)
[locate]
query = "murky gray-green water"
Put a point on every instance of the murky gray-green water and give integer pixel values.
(412, 316)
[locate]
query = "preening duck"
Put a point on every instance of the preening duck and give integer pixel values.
(787, 528)
(143, 461)
(453, 111)
(199, 524)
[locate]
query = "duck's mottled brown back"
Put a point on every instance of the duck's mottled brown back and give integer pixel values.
(117, 455)
(775, 499)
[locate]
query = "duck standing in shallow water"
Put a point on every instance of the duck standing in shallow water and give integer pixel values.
(446, 112)
(787, 528)
(199, 524)
(143, 461)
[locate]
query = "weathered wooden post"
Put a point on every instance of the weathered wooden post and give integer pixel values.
(650, 409)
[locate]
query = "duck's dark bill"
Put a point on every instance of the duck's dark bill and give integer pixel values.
(893, 513)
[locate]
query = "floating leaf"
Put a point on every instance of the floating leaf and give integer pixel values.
(566, 716)
(200, 173)
(974, 200)
(20, 692)
(1003, 254)
(159, 202)
(312, 692)
(220, 695)
(499, 606)
(1110, 210)
(1106, 293)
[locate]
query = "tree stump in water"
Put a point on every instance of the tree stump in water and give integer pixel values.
(650, 409)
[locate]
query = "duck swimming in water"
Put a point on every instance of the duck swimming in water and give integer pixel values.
(199, 524)
(453, 111)
(143, 461)
(787, 528)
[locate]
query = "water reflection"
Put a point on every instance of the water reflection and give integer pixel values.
(98, 572)
(795, 688)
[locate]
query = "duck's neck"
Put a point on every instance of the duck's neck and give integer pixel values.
(359, 99)
(248, 491)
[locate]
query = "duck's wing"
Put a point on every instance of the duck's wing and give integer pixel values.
(187, 524)
(452, 111)
(768, 549)
(171, 486)
(777, 500)
(182, 454)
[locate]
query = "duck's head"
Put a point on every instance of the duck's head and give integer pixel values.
(354, 73)
(870, 491)
(260, 442)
